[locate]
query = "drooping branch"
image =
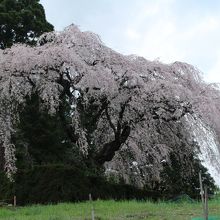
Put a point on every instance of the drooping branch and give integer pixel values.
(110, 121)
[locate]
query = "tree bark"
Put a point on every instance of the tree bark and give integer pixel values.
(108, 151)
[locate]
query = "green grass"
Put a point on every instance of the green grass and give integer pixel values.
(122, 210)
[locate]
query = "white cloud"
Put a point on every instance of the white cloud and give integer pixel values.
(155, 29)
(132, 34)
(203, 27)
(169, 29)
(196, 42)
(214, 73)
(159, 41)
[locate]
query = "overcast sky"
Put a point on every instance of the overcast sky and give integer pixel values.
(168, 30)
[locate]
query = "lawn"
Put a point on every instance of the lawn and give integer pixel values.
(105, 210)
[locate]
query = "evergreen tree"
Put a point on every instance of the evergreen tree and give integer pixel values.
(21, 21)
(183, 178)
(40, 137)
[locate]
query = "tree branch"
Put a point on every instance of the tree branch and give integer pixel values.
(110, 121)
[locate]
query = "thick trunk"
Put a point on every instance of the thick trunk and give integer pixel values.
(108, 151)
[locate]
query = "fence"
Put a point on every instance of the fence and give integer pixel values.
(9, 202)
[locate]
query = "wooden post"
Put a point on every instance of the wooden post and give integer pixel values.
(206, 204)
(15, 201)
(93, 213)
(201, 187)
(202, 195)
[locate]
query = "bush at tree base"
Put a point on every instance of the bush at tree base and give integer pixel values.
(55, 183)
(58, 183)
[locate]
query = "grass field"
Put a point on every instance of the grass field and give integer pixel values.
(122, 210)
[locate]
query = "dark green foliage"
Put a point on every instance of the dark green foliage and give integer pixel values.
(40, 137)
(6, 188)
(183, 178)
(21, 21)
(58, 183)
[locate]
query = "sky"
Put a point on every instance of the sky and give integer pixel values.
(164, 30)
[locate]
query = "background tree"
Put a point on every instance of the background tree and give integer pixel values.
(40, 138)
(21, 21)
(178, 179)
